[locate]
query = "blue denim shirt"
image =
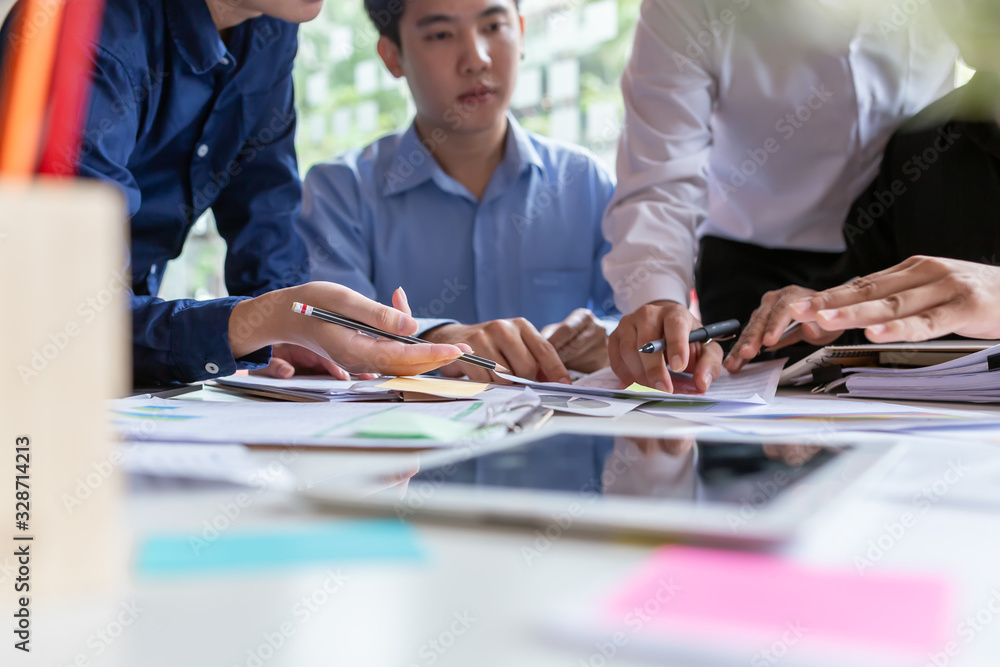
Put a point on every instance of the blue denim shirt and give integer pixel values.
(183, 121)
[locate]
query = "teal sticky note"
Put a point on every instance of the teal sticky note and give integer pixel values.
(369, 540)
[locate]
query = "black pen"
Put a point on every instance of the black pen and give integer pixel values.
(343, 321)
(719, 330)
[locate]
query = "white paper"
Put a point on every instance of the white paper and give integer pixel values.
(279, 423)
(757, 383)
(784, 416)
(590, 406)
(203, 462)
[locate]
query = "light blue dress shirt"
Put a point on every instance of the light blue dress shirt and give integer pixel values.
(388, 216)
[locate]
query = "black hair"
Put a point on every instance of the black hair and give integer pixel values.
(385, 14)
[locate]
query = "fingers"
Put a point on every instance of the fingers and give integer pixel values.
(570, 328)
(392, 358)
(930, 323)
(333, 369)
(673, 323)
(351, 304)
(400, 302)
(634, 371)
(707, 366)
(545, 355)
(767, 326)
(617, 363)
(895, 306)
(278, 368)
(911, 273)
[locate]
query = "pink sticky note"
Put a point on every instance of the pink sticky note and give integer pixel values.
(707, 595)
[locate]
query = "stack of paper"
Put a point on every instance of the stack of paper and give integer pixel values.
(328, 390)
(304, 389)
(973, 378)
(890, 355)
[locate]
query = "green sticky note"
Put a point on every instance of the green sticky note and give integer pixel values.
(414, 426)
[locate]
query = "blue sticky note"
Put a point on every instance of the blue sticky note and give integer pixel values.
(324, 542)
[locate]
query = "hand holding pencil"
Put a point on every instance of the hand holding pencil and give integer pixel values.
(269, 320)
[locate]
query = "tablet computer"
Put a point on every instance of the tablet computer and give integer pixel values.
(712, 488)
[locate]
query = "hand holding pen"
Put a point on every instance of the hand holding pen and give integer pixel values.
(674, 323)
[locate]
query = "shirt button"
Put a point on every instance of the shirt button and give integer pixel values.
(202, 150)
(224, 61)
(152, 270)
(211, 368)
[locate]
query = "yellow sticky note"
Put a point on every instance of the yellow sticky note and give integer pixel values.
(436, 386)
(642, 389)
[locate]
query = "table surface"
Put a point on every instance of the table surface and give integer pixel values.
(404, 613)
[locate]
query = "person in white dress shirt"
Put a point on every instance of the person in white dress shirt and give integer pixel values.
(750, 128)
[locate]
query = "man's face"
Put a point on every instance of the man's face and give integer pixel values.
(293, 11)
(975, 27)
(460, 59)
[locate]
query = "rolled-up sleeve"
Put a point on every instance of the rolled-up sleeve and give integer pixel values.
(662, 191)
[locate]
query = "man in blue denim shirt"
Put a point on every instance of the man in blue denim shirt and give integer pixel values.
(192, 108)
(492, 227)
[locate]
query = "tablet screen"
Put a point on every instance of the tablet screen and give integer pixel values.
(697, 470)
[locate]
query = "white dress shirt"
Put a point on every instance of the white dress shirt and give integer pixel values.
(758, 121)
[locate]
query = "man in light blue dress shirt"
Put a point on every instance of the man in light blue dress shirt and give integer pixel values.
(493, 231)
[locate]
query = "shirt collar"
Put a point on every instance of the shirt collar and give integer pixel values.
(413, 164)
(195, 34)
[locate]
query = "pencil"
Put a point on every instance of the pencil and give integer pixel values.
(349, 323)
